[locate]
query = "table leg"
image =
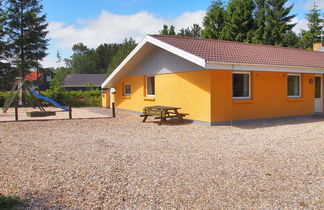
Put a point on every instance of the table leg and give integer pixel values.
(145, 118)
(161, 115)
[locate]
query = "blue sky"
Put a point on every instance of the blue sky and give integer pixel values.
(104, 21)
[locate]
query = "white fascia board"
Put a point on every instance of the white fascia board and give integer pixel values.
(148, 39)
(252, 67)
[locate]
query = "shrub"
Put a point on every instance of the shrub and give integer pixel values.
(71, 98)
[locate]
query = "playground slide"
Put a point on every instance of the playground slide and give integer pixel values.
(49, 100)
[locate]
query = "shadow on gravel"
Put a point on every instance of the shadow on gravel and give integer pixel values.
(170, 122)
(44, 120)
(43, 200)
(278, 122)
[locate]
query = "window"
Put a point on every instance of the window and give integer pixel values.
(127, 89)
(294, 86)
(150, 86)
(241, 85)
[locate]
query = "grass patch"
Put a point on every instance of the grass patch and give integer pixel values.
(10, 202)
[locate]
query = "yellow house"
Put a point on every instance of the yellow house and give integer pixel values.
(217, 82)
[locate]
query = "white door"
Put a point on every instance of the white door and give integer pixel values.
(318, 94)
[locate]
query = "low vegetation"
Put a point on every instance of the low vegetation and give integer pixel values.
(11, 202)
(70, 98)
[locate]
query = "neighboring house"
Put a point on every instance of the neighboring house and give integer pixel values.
(318, 46)
(218, 82)
(44, 77)
(83, 81)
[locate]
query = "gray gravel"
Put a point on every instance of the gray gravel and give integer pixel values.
(125, 164)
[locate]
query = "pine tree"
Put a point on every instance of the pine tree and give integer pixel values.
(7, 74)
(278, 22)
(239, 22)
(167, 31)
(214, 20)
(27, 32)
(260, 20)
(315, 28)
(194, 31)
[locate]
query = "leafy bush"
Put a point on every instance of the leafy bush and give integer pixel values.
(71, 98)
(11, 202)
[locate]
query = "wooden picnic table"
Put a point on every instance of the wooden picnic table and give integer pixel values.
(162, 113)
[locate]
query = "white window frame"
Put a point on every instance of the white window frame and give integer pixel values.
(244, 97)
(148, 95)
(300, 84)
(127, 94)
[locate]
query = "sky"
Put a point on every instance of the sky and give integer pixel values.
(94, 22)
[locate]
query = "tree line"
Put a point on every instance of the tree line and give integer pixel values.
(101, 60)
(255, 21)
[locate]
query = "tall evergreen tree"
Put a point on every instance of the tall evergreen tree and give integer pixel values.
(315, 27)
(167, 30)
(6, 72)
(278, 22)
(26, 32)
(214, 20)
(239, 22)
(260, 21)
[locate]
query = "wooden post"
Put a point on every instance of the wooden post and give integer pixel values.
(70, 112)
(113, 110)
(16, 111)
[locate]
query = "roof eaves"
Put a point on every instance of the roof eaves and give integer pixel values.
(261, 67)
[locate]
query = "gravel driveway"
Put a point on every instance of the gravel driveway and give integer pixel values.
(122, 163)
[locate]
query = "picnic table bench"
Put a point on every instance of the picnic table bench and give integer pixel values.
(162, 113)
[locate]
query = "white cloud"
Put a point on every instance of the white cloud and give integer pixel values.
(50, 61)
(301, 24)
(110, 28)
(310, 3)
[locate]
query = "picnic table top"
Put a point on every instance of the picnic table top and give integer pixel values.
(162, 107)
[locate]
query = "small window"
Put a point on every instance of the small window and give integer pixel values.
(294, 87)
(241, 85)
(127, 89)
(150, 86)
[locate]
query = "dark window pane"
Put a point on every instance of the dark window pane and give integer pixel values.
(293, 85)
(241, 85)
(127, 90)
(150, 88)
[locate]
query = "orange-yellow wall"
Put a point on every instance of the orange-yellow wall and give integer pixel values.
(189, 90)
(269, 97)
(207, 95)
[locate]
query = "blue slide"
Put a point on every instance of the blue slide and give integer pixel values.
(49, 100)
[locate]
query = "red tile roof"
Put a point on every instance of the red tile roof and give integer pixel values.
(32, 76)
(244, 53)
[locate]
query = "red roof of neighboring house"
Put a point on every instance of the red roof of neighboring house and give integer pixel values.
(243, 53)
(32, 76)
